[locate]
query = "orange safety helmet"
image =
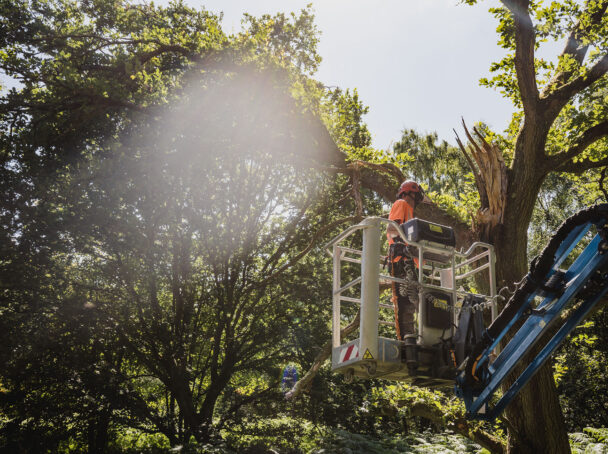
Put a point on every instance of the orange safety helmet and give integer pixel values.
(412, 188)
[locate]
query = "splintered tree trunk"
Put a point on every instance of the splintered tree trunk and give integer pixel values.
(535, 420)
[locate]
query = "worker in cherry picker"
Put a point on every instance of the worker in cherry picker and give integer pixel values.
(401, 264)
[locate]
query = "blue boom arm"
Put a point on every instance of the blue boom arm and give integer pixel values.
(566, 297)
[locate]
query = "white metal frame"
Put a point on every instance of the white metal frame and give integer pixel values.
(369, 259)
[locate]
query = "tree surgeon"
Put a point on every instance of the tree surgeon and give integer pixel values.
(401, 264)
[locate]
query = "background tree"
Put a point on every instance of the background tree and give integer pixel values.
(160, 239)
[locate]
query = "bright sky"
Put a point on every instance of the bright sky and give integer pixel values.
(415, 63)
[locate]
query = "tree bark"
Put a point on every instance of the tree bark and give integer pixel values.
(535, 418)
(192, 420)
(98, 432)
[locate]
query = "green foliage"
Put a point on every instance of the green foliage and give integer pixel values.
(157, 244)
(590, 441)
(559, 198)
(442, 170)
(579, 372)
(553, 22)
(291, 40)
(156, 206)
(343, 114)
(600, 435)
(427, 442)
(130, 440)
(439, 165)
(148, 266)
(285, 434)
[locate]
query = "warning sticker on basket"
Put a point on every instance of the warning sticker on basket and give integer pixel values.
(367, 354)
(350, 352)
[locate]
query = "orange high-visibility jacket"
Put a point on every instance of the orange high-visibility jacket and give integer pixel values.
(401, 212)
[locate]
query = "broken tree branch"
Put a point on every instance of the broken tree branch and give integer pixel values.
(490, 173)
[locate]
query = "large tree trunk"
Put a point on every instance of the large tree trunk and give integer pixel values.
(181, 392)
(536, 422)
(98, 432)
(535, 415)
(536, 419)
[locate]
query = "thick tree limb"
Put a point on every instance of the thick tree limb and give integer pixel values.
(563, 161)
(524, 53)
(568, 90)
(582, 166)
(389, 168)
(384, 180)
(574, 47)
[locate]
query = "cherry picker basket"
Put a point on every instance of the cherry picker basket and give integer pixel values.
(429, 358)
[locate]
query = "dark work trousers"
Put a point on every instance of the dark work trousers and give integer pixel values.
(405, 297)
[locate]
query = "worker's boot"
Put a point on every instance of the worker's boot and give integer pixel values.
(407, 324)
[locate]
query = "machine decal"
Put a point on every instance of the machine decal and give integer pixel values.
(367, 354)
(441, 304)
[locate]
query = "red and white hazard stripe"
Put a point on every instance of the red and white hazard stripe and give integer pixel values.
(350, 352)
